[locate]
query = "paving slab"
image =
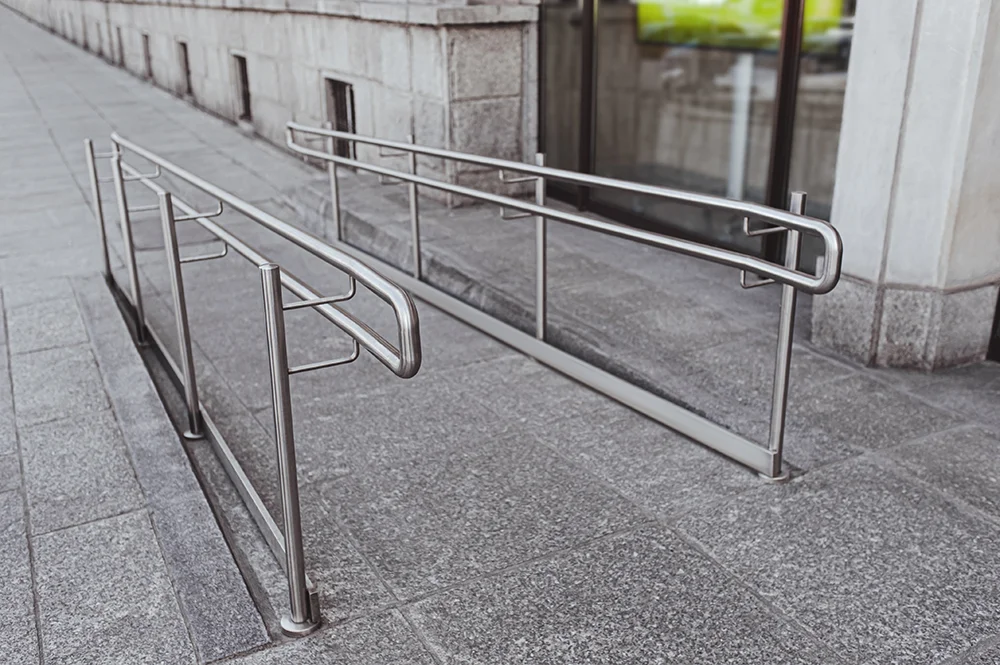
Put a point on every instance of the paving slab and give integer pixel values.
(56, 383)
(963, 463)
(45, 325)
(18, 634)
(437, 519)
(384, 638)
(575, 607)
(77, 470)
(104, 596)
(881, 570)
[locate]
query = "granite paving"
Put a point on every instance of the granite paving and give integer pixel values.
(488, 511)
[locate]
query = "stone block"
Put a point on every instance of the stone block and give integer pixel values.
(18, 636)
(637, 597)
(393, 115)
(56, 383)
(963, 329)
(103, 589)
(489, 127)
(394, 55)
(842, 320)
(427, 65)
(907, 317)
(45, 325)
(77, 470)
(864, 559)
(262, 72)
(484, 61)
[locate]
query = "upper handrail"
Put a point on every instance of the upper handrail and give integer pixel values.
(815, 284)
(404, 361)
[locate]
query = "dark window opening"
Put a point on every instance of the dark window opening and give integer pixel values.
(86, 42)
(182, 54)
(147, 56)
(242, 87)
(121, 47)
(100, 40)
(340, 113)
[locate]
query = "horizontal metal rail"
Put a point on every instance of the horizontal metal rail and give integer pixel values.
(404, 361)
(814, 284)
(766, 458)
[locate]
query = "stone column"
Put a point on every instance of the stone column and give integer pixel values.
(917, 194)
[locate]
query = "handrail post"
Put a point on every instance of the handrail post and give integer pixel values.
(194, 430)
(331, 167)
(303, 617)
(133, 271)
(95, 192)
(414, 213)
(541, 255)
(783, 358)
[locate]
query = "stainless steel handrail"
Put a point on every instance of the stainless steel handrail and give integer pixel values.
(793, 223)
(832, 244)
(404, 360)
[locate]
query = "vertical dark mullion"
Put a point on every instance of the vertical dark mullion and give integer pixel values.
(993, 351)
(783, 134)
(588, 97)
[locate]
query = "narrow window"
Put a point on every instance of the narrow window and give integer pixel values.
(182, 55)
(147, 56)
(86, 42)
(242, 87)
(100, 39)
(121, 47)
(340, 113)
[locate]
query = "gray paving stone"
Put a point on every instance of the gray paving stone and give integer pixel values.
(985, 654)
(865, 414)
(8, 434)
(659, 470)
(77, 470)
(436, 520)
(18, 634)
(10, 472)
(964, 463)
(56, 383)
(384, 638)
(877, 567)
(27, 293)
(104, 596)
(219, 611)
(45, 325)
(640, 597)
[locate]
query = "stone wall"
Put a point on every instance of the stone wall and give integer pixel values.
(455, 76)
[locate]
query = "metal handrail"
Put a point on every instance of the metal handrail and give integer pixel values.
(766, 459)
(404, 361)
(832, 244)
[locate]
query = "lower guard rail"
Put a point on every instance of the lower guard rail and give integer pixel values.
(402, 357)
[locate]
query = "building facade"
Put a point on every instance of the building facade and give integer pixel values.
(894, 118)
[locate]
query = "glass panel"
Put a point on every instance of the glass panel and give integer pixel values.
(561, 62)
(674, 112)
(818, 114)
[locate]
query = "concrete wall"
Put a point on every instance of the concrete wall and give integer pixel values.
(918, 191)
(455, 76)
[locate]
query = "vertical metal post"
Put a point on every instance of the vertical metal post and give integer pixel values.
(194, 430)
(331, 168)
(414, 213)
(304, 616)
(95, 193)
(133, 270)
(783, 358)
(541, 255)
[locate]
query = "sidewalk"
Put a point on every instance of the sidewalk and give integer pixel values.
(489, 510)
(109, 549)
